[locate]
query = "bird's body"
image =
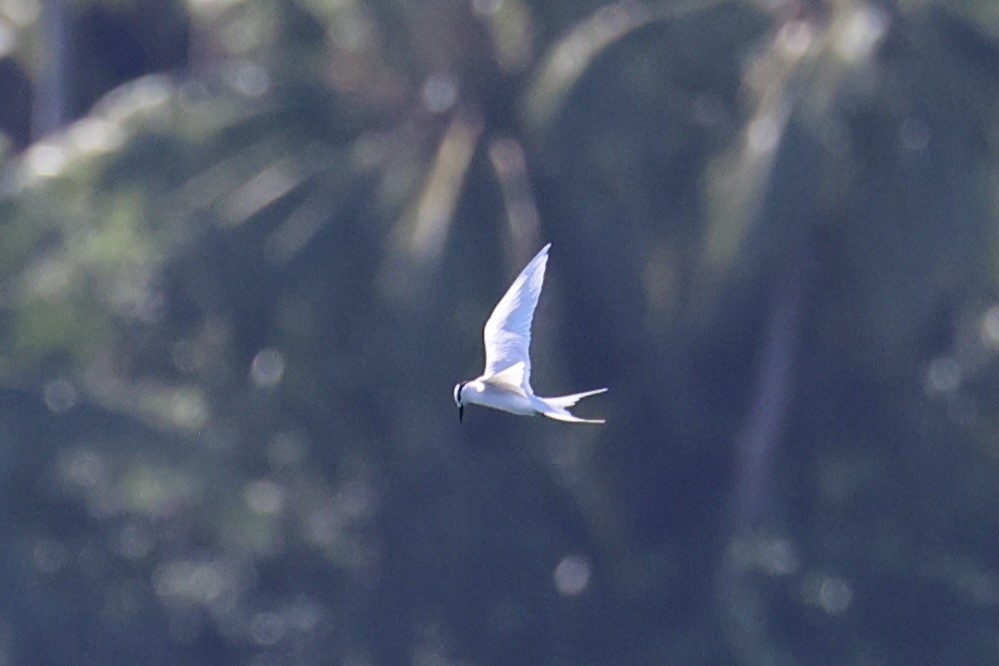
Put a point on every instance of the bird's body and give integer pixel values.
(506, 382)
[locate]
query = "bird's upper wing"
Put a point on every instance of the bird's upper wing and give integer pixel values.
(507, 334)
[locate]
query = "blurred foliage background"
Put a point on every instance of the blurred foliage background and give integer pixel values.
(247, 248)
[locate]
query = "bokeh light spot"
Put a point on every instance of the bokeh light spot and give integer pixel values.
(943, 375)
(861, 33)
(835, 595)
(267, 628)
(778, 557)
(190, 582)
(183, 407)
(249, 79)
(795, 37)
(82, 468)
(264, 497)
(59, 395)
(439, 93)
(572, 575)
(267, 368)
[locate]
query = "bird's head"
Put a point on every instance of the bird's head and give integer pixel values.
(458, 399)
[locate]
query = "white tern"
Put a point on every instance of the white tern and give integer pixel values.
(506, 382)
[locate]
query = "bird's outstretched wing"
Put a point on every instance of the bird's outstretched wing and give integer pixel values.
(507, 334)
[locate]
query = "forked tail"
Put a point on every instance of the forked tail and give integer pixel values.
(555, 408)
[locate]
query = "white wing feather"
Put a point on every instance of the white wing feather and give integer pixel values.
(507, 333)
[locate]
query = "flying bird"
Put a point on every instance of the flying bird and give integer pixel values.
(505, 384)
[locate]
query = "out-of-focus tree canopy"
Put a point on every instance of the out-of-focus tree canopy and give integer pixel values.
(247, 247)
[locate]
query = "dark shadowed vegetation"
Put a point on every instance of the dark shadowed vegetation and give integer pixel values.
(247, 248)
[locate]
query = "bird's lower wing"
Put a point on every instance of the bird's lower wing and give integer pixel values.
(512, 379)
(563, 415)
